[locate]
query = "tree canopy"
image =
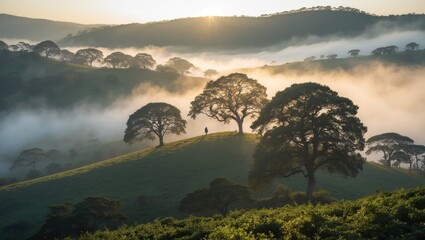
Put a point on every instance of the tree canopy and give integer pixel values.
(3, 45)
(47, 49)
(154, 119)
(219, 197)
(29, 158)
(306, 127)
(232, 97)
(412, 46)
(118, 59)
(389, 144)
(88, 56)
(143, 60)
(180, 65)
(354, 52)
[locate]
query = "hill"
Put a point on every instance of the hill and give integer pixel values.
(165, 175)
(28, 80)
(230, 33)
(37, 29)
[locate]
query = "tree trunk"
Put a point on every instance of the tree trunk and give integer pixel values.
(310, 186)
(240, 126)
(161, 140)
(410, 167)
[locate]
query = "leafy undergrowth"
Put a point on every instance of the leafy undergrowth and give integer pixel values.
(395, 215)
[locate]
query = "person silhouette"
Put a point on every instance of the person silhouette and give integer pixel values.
(206, 130)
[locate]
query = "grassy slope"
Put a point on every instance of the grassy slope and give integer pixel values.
(167, 174)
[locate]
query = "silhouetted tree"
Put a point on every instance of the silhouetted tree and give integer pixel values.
(414, 153)
(67, 56)
(412, 46)
(378, 51)
(154, 119)
(210, 73)
(118, 59)
(389, 50)
(219, 196)
(29, 158)
(307, 127)
(332, 56)
(3, 46)
(232, 97)
(93, 213)
(354, 52)
(143, 60)
(20, 47)
(47, 49)
(180, 65)
(389, 144)
(310, 58)
(88, 56)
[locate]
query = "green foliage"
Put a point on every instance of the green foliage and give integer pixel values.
(396, 215)
(307, 127)
(154, 119)
(89, 215)
(232, 97)
(220, 195)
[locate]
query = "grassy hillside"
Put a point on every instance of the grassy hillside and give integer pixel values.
(229, 33)
(396, 215)
(165, 175)
(37, 29)
(28, 80)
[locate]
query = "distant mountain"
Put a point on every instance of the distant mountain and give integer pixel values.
(37, 29)
(229, 33)
(165, 175)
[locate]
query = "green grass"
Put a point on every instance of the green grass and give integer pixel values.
(165, 175)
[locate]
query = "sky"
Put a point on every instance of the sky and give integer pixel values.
(131, 11)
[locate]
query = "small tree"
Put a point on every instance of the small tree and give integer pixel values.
(143, 60)
(220, 195)
(180, 65)
(307, 127)
(354, 52)
(88, 56)
(154, 119)
(412, 46)
(414, 152)
(232, 97)
(389, 144)
(332, 56)
(47, 49)
(211, 73)
(118, 59)
(29, 158)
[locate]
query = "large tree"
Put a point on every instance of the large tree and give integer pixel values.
(118, 59)
(143, 60)
(154, 119)
(389, 144)
(412, 46)
(47, 49)
(354, 52)
(88, 56)
(414, 153)
(232, 97)
(29, 158)
(307, 127)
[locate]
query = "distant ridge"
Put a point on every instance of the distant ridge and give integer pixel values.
(16, 27)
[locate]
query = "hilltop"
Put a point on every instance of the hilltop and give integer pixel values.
(243, 33)
(165, 175)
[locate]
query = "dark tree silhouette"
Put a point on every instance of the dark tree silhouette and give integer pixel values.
(88, 56)
(118, 59)
(412, 46)
(232, 97)
(67, 56)
(414, 153)
(354, 52)
(47, 49)
(388, 50)
(211, 73)
(93, 213)
(332, 56)
(306, 127)
(310, 58)
(220, 195)
(29, 158)
(3, 45)
(154, 119)
(181, 65)
(143, 60)
(21, 47)
(389, 144)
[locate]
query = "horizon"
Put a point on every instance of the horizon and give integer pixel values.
(130, 11)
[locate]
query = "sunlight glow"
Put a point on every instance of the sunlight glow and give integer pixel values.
(211, 12)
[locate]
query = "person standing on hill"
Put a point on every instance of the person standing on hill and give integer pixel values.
(206, 130)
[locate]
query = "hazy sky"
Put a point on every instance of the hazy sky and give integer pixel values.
(128, 11)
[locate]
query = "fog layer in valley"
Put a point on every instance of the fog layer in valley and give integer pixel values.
(390, 98)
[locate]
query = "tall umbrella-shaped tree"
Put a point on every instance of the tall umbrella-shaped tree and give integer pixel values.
(233, 97)
(304, 128)
(154, 119)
